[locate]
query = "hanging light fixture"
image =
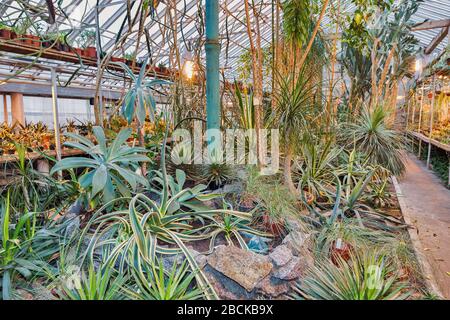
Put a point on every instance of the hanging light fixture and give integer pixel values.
(187, 61)
(418, 65)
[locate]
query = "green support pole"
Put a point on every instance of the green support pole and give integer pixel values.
(212, 48)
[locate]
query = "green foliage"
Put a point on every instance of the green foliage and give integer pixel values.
(297, 20)
(111, 166)
(370, 136)
(297, 111)
(217, 174)
(316, 167)
(367, 275)
(139, 99)
(246, 107)
(16, 257)
(152, 282)
(101, 284)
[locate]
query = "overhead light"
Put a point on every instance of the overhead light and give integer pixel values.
(418, 65)
(188, 69)
(188, 62)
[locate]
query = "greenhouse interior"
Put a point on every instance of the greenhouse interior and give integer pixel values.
(224, 150)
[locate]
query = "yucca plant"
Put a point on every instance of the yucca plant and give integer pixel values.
(139, 99)
(217, 174)
(110, 170)
(371, 136)
(367, 275)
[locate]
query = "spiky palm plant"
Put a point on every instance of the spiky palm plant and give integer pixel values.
(371, 136)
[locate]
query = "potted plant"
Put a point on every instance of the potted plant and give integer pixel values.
(5, 31)
(129, 57)
(86, 41)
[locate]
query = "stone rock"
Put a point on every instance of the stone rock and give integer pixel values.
(24, 295)
(281, 255)
(244, 267)
(292, 270)
(297, 241)
(226, 288)
(272, 287)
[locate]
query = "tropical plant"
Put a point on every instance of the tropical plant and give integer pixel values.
(231, 227)
(110, 168)
(296, 113)
(367, 275)
(370, 135)
(246, 107)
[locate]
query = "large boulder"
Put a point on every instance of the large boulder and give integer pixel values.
(242, 266)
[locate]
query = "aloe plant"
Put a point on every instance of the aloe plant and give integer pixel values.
(139, 99)
(110, 170)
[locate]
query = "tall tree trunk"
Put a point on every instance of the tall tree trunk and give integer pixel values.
(374, 98)
(255, 50)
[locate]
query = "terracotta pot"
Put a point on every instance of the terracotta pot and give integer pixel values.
(90, 52)
(430, 95)
(340, 249)
(78, 51)
(5, 34)
(116, 59)
(27, 39)
(275, 228)
(36, 41)
(48, 43)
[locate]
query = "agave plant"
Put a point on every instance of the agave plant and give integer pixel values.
(152, 282)
(231, 227)
(217, 174)
(367, 275)
(111, 166)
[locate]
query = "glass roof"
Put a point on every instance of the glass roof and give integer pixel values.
(79, 15)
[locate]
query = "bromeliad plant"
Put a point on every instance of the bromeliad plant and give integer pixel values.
(110, 170)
